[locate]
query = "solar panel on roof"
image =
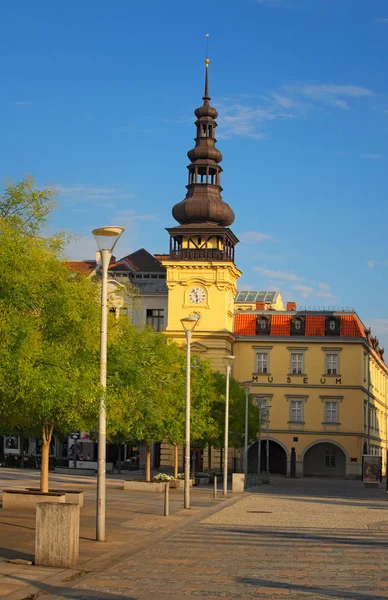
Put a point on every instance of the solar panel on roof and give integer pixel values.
(251, 297)
(260, 296)
(270, 296)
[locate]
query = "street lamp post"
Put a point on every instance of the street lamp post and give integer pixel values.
(247, 385)
(228, 360)
(106, 238)
(266, 479)
(260, 403)
(188, 324)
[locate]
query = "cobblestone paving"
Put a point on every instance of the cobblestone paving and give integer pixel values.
(225, 557)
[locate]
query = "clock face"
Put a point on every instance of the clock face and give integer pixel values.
(197, 295)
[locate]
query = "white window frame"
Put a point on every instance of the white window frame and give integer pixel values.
(293, 350)
(296, 411)
(296, 398)
(297, 363)
(330, 411)
(329, 352)
(330, 453)
(264, 368)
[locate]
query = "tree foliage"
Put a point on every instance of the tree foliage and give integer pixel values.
(236, 413)
(49, 323)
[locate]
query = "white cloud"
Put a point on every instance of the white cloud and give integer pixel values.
(79, 192)
(372, 156)
(247, 121)
(277, 275)
(323, 291)
(334, 95)
(304, 290)
(248, 116)
(252, 237)
(377, 263)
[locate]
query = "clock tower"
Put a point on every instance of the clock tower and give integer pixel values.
(201, 274)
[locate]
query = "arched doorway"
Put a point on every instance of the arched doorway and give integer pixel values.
(324, 459)
(277, 458)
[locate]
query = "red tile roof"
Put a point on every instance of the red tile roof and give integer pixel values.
(245, 324)
(81, 266)
(280, 325)
(315, 325)
(351, 326)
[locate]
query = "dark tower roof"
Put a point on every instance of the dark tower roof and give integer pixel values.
(203, 202)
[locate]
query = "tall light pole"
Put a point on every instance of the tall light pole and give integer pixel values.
(247, 386)
(228, 360)
(260, 403)
(188, 324)
(106, 238)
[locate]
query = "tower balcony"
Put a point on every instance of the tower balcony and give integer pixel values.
(226, 254)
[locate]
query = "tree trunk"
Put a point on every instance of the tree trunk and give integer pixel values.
(148, 462)
(21, 451)
(47, 432)
(176, 460)
(119, 458)
(209, 458)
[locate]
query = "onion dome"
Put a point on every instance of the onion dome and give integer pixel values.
(203, 202)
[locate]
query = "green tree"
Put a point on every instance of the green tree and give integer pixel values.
(236, 413)
(49, 323)
(145, 383)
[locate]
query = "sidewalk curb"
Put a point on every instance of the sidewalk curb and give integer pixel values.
(117, 556)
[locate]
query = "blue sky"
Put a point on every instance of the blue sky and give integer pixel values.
(97, 99)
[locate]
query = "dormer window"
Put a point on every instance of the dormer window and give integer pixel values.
(297, 326)
(263, 325)
(332, 326)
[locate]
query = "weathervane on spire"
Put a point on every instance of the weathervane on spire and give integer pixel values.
(206, 97)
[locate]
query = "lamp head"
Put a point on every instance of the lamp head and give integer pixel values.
(189, 323)
(107, 237)
(228, 360)
(247, 384)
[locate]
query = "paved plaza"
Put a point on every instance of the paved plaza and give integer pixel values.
(310, 539)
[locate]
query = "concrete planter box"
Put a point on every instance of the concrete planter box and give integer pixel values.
(144, 486)
(182, 482)
(81, 472)
(72, 496)
(202, 480)
(16, 499)
(57, 535)
(175, 484)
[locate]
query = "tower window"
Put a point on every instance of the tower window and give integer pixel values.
(204, 128)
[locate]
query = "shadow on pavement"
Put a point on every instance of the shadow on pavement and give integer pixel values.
(309, 589)
(63, 591)
(258, 533)
(11, 554)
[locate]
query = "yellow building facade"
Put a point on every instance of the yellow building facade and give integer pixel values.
(320, 376)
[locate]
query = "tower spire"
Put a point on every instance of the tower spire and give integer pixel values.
(206, 97)
(203, 202)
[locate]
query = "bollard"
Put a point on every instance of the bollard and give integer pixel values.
(166, 500)
(215, 487)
